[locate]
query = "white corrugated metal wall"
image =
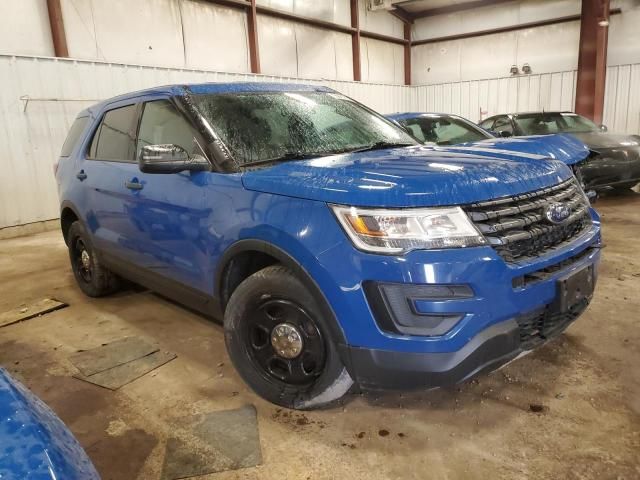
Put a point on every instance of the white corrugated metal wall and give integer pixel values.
(479, 99)
(622, 99)
(32, 137)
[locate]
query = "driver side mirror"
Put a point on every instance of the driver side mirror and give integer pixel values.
(603, 128)
(505, 133)
(170, 158)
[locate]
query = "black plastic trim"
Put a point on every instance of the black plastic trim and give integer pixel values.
(385, 369)
(187, 296)
(547, 272)
(66, 204)
(393, 306)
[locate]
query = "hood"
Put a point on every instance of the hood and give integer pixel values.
(565, 148)
(602, 141)
(406, 177)
(34, 443)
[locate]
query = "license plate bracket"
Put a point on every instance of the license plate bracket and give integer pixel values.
(573, 288)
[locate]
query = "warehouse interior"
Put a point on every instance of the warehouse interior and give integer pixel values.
(569, 409)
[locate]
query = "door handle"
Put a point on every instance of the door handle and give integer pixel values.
(81, 175)
(134, 185)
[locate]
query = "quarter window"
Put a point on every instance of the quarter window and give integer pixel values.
(113, 139)
(163, 124)
(503, 124)
(74, 134)
(488, 123)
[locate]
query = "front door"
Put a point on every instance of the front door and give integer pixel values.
(171, 211)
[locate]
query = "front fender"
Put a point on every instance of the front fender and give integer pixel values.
(296, 232)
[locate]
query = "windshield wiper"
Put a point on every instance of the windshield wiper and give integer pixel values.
(381, 145)
(288, 156)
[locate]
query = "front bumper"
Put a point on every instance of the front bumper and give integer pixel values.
(487, 351)
(611, 169)
(485, 322)
(384, 369)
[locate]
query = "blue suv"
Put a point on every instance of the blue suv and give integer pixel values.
(336, 248)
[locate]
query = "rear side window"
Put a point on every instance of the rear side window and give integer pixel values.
(113, 139)
(74, 134)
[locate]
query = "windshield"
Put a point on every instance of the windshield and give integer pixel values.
(443, 130)
(263, 127)
(546, 123)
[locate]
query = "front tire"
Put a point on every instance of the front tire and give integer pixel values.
(280, 343)
(92, 278)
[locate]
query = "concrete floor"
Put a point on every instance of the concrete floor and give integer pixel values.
(588, 382)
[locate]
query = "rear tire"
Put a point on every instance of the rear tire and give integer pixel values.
(280, 344)
(92, 278)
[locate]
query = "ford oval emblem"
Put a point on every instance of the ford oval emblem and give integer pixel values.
(557, 212)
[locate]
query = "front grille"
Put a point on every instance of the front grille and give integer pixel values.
(517, 228)
(539, 326)
(545, 273)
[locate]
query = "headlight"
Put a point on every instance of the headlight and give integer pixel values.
(399, 231)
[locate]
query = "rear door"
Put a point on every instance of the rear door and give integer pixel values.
(106, 166)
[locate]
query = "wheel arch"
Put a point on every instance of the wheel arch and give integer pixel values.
(68, 215)
(224, 289)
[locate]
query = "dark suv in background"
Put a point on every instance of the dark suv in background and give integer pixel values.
(614, 161)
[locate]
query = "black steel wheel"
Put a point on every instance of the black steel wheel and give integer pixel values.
(285, 342)
(93, 279)
(280, 344)
(81, 259)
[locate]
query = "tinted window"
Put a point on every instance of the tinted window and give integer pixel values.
(545, 123)
(503, 124)
(266, 126)
(161, 124)
(443, 130)
(113, 139)
(72, 137)
(488, 124)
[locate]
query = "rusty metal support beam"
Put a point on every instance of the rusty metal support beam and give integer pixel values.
(314, 22)
(273, 12)
(402, 15)
(407, 54)
(453, 8)
(355, 41)
(252, 26)
(522, 26)
(238, 4)
(384, 38)
(57, 28)
(592, 59)
(354, 30)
